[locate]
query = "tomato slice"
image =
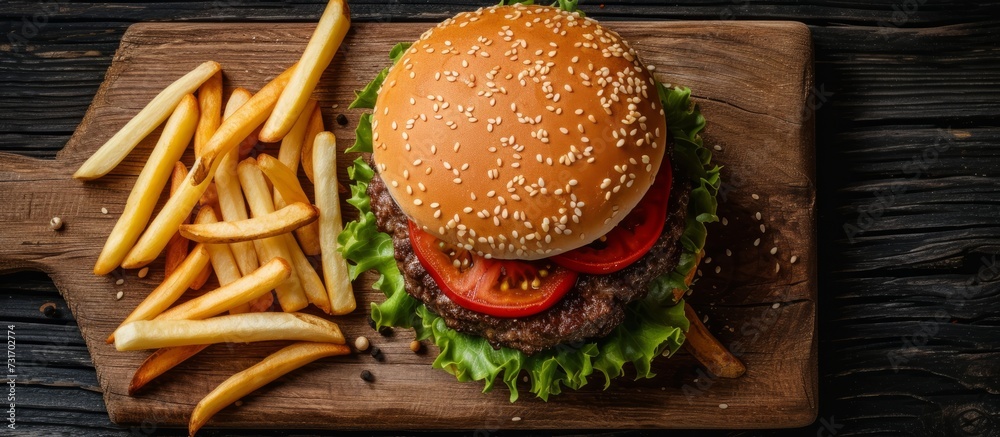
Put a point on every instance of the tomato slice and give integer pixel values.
(501, 288)
(632, 238)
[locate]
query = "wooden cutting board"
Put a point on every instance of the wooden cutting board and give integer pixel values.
(753, 82)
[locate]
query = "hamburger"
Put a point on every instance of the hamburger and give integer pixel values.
(532, 197)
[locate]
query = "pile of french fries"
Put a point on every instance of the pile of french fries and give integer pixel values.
(246, 219)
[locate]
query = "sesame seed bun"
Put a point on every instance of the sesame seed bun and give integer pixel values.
(518, 131)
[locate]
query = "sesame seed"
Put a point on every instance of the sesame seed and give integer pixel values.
(755, 197)
(143, 272)
(762, 228)
(775, 305)
(757, 216)
(730, 253)
(774, 250)
(723, 406)
(793, 259)
(756, 242)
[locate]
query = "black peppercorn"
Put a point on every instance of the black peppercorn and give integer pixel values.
(376, 353)
(342, 119)
(367, 376)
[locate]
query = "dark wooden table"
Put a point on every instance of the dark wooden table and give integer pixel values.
(907, 102)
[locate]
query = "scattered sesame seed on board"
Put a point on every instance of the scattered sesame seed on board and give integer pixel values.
(718, 269)
(757, 215)
(143, 272)
(777, 267)
(794, 259)
(774, 250)
(708, 260)
(515, 419)
(717, 147)
(104, 210)
(775, 305)
(725, 221)
(762, 228)
(119, 282)
(730, 253)
(755, 197)
(119, 295)
(756, 242)
(723, 406)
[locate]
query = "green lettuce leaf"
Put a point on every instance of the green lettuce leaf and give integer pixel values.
(653, 326)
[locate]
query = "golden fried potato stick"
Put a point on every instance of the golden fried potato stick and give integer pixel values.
(171, 289)
(338, 282)
(709, 352)
(177, 246)
(319, 51)
(155, 112)
(287, 189)
(232, 328)
(227, 185)
(233, 130)
(271, 368)
(210, 105)
(281, 221)
(312, 285)
(238, 292)
(315, 127)
(238, 126)
(154, 175)
(221, 255)
(160, 362)
(291, 145)
(283, 178)
(164, 226)
(291, 296)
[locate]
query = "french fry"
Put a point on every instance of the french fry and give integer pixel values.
(271, 368)
(174, 212)
(338, 282)
(710, 353)
(288, 189)
(241, 328)
(202, 278)
(177, 246)
(235, 293)
(227, 185)
(148, 186)
(211, 196)
(291, 145)
(291, 296)
(222, 258)
(283, 178)
(155, 112)
(312, 285)
(210, 105)
(171, 289)
(160, 362)
(319, 51)
(281, 221)
(315, 127)
(236, 128)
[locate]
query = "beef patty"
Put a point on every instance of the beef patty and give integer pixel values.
(594, 307)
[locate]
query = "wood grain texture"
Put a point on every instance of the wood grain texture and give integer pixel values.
(754, 99)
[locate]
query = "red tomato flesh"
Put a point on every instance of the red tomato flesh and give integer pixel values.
(500, 288)
(632, 238)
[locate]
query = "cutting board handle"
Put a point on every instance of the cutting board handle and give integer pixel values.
(32, 192)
